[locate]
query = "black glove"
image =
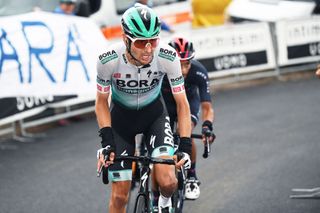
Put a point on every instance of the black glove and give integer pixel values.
(107, 138)
(207, 129)
(185, 145)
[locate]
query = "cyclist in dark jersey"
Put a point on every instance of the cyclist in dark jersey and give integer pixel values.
(133, 70)
(198, 93)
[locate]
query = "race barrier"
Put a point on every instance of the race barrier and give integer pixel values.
(298, 41)
(232, 49)
(46, 58)
(48, 54)
(54, 56)
(256, 49)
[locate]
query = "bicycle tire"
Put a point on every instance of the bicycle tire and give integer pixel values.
(178, 196)
(141, 204)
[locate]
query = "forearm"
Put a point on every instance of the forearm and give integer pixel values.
(102, 112)
(207, 111)
(184, 119)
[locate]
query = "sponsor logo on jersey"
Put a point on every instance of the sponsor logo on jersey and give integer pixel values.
(135, 87)
(124, 58)
(117, 75)
(103, 82)
(135, 83)
(149, 73)
(128, 75)
(108, 56)
(178, 89)
(152, 140)
(167, 54)
(177, 81)
(168, 139)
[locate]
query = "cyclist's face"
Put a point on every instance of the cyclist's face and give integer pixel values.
(143, 50)
(68, 8)
(185, 67)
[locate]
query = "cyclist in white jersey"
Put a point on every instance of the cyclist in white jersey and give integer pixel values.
(134, 70)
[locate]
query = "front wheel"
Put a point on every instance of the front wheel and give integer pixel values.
(141, 205)
(178, 196)
(177, 201)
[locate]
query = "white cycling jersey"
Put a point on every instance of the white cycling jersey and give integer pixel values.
(135, 87)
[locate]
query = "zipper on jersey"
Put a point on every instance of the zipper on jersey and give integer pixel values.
(138, 93)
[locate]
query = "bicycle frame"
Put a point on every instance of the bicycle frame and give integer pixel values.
(179, 195)
(143, 201)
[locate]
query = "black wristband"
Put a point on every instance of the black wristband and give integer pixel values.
(185, 145)
(107, 137)
(208, 124)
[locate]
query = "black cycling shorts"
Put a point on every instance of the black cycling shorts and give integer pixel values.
(153, 121)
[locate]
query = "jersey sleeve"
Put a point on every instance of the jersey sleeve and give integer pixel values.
(104, 73)
(203, 83)
(106, 64)
(171, 63)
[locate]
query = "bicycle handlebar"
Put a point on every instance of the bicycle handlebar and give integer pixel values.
(146, 159)
(207, 145)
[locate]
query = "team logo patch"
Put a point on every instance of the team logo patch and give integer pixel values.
(177, 81)
(167, 54)
(108, 56)
(102, 81)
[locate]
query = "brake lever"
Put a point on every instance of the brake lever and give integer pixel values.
(207, 145)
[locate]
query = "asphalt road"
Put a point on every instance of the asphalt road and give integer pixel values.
(268, 142)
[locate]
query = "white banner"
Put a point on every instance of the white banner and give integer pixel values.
(48, 54)
(298, 41)
(233, 49)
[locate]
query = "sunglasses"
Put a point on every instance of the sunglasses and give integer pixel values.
(142, 43)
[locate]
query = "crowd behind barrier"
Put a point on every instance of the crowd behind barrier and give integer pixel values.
(62, 62)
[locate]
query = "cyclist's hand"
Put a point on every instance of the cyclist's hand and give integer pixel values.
(185, 147)
(106, 154)
(208, 135)
(105, 157)
(207, 132)
(185, 161)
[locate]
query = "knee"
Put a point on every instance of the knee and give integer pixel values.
(168, 186)
(119, 200)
